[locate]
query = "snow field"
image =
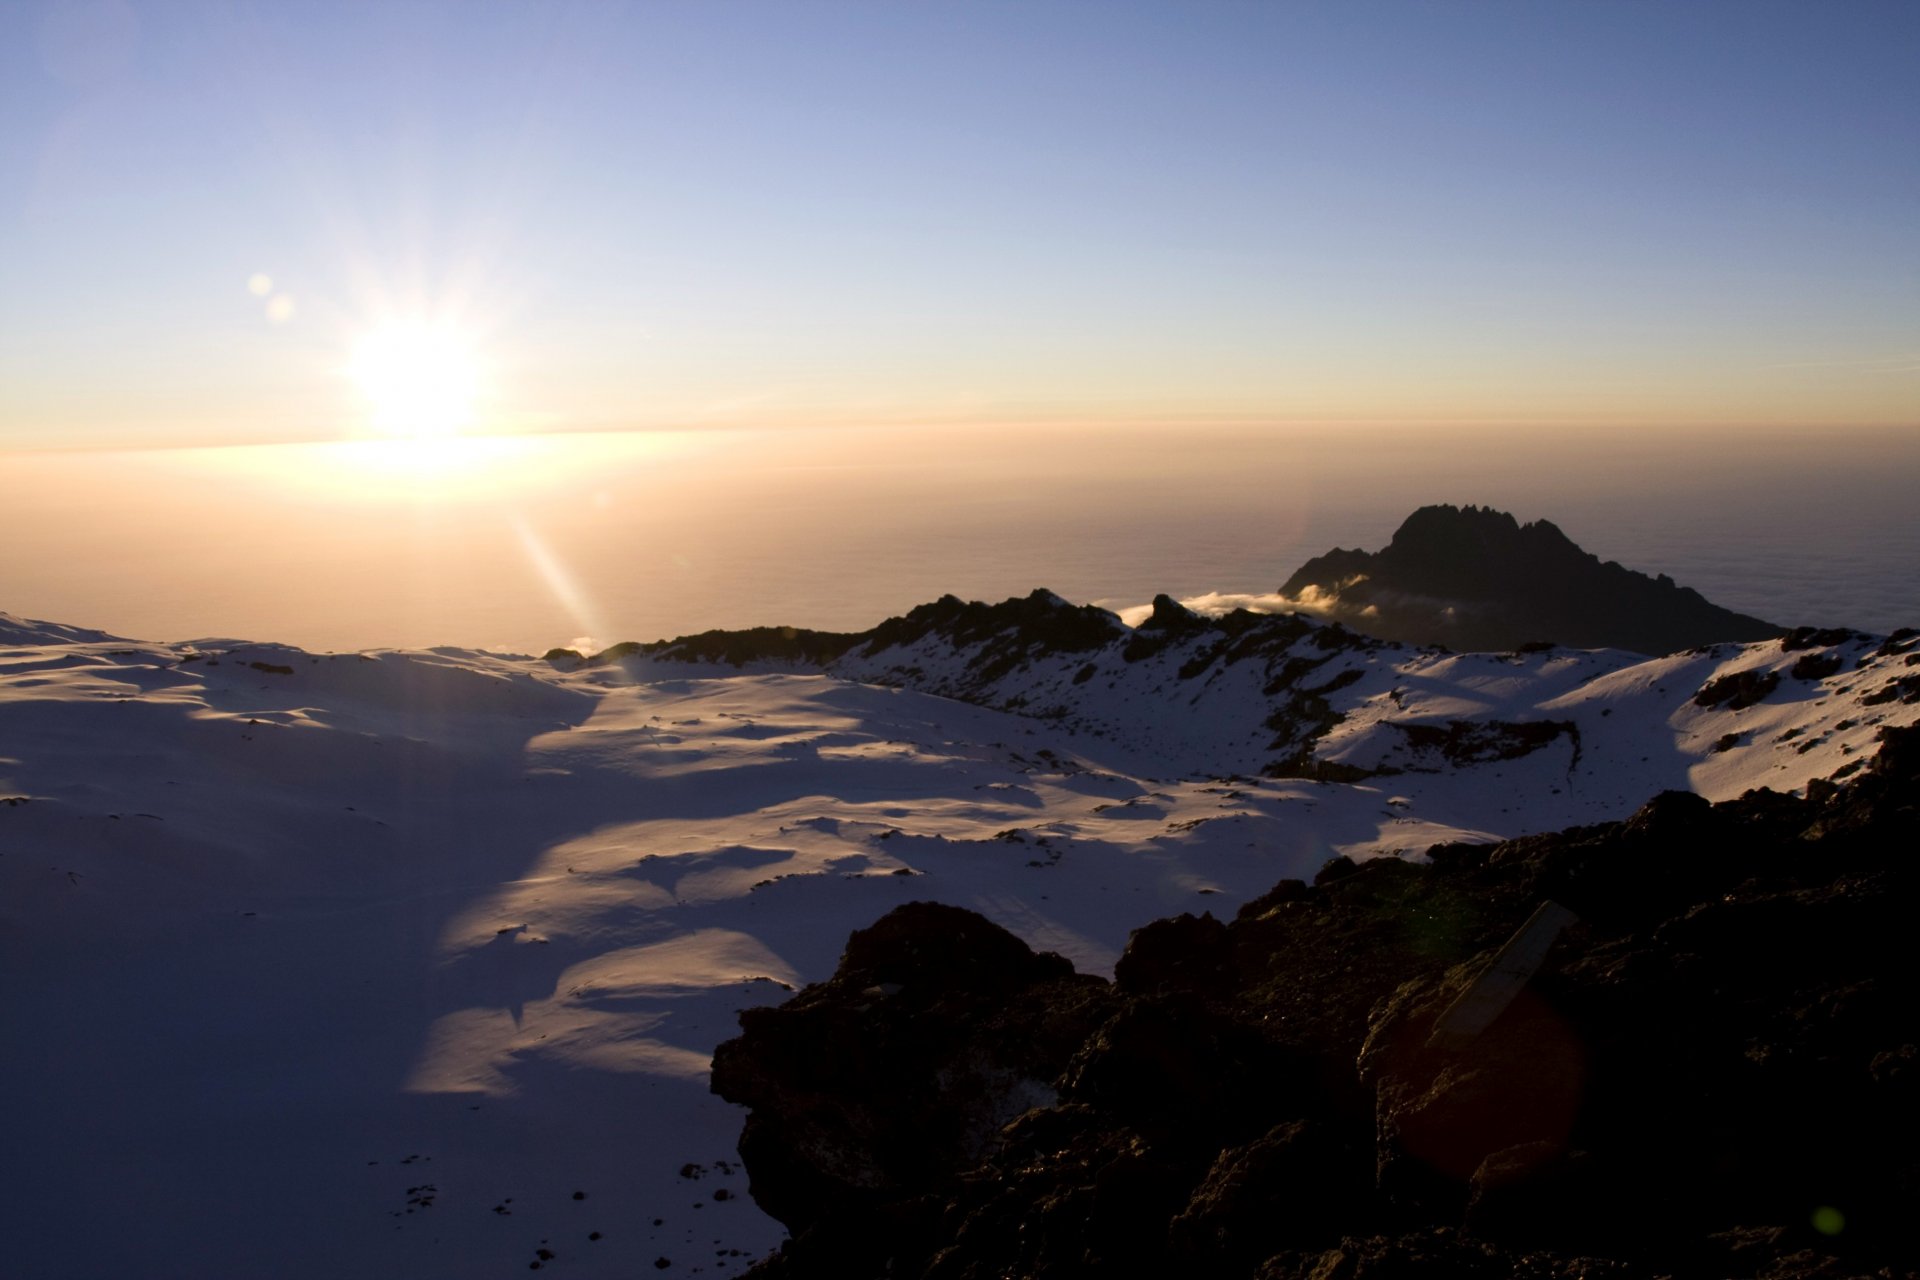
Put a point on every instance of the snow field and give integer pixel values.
(324, 963)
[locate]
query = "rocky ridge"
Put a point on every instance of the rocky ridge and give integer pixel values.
(1713, 1073)
(1287, 696)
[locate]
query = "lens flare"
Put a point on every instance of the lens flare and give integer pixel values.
(565, 587)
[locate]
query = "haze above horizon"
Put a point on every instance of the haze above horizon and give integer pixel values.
(646, 535)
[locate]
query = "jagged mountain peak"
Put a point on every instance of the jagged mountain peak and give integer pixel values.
(1169, 614)
(1476, 578)
(1485, 529)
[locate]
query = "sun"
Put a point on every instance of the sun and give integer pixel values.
(420, 382)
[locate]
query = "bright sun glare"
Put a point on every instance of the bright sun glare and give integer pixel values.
(420, 382)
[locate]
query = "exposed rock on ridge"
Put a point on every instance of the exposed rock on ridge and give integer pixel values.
(1473, 578)
(1283, 695)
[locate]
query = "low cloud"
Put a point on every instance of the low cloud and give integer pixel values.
(1215, 603)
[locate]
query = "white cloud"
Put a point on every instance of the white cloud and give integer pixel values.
(1215, 603)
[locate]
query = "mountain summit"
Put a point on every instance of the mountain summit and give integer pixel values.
(1473, 578)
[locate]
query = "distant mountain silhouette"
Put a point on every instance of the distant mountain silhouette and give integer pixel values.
(1473, 578)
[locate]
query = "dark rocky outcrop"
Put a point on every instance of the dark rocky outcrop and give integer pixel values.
(1039, 624)
(1000, 636)
(887, 1081)
(735, 648)
(1168, 623)
(1431, 747)
(1714, 1072)
(1473, 578)
(1737, 691)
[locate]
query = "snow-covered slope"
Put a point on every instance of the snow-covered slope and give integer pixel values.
(1546, 736)
(410, 963)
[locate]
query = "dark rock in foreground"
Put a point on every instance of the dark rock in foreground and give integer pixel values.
(1473, 578)
(844, 1118)
(1714, 1073)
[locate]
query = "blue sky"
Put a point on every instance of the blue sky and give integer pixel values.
(712, 214)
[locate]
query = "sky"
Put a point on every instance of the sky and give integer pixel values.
(728, 214)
